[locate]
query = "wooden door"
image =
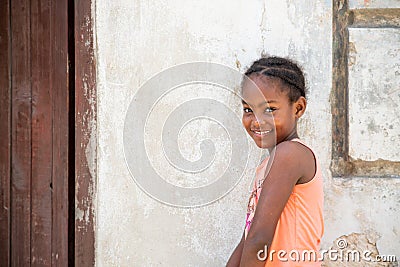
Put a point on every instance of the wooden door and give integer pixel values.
(36, 217)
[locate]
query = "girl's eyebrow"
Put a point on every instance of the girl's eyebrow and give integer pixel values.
(262, 103)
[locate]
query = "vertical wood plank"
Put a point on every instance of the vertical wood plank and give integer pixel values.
(21, 134)
(5, 130)
(41, 134)
(60, 132)
(339, 98)
(85, 134)
(71, 132)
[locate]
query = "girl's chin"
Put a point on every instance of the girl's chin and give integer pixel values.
(265, 144)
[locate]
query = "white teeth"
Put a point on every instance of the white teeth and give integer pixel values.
(262, 132)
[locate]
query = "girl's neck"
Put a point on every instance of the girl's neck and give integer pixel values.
(291, 136)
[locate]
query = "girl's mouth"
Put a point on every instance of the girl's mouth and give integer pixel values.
(261, 133)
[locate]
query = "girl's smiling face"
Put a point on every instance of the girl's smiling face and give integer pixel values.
(269, 117)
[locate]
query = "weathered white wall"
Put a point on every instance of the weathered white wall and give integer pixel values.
(374, 84)
(136, 40)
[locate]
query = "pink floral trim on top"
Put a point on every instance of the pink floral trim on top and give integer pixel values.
(255, 194)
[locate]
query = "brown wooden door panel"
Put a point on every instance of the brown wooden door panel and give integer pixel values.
(47, 121)
(62, 170)
(35, 116)
(42, 117)
(5, 133)
(21, 121)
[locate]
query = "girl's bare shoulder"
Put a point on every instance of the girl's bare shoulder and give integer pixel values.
(292, 150)
(296, 155)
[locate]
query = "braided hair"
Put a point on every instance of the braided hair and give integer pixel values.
(284, 69)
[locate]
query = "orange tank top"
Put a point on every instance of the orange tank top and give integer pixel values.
(300, 226)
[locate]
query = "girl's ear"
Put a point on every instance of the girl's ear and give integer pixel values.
(300, 106)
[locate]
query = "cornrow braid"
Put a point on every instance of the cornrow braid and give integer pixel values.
(284, 69)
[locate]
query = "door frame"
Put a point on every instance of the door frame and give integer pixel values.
(85, 132)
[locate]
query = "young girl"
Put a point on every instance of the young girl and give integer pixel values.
(284, 222)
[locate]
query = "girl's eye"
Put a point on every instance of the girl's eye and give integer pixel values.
(269, 110)
(247, 110)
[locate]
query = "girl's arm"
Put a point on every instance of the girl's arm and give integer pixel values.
(234, 260)
(287, 167)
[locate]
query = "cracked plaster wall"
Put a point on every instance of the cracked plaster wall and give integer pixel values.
(135, 40)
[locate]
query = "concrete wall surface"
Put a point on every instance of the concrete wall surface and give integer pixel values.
(139, 41)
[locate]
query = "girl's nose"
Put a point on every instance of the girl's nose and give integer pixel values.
(262, 120)
(258, 122)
